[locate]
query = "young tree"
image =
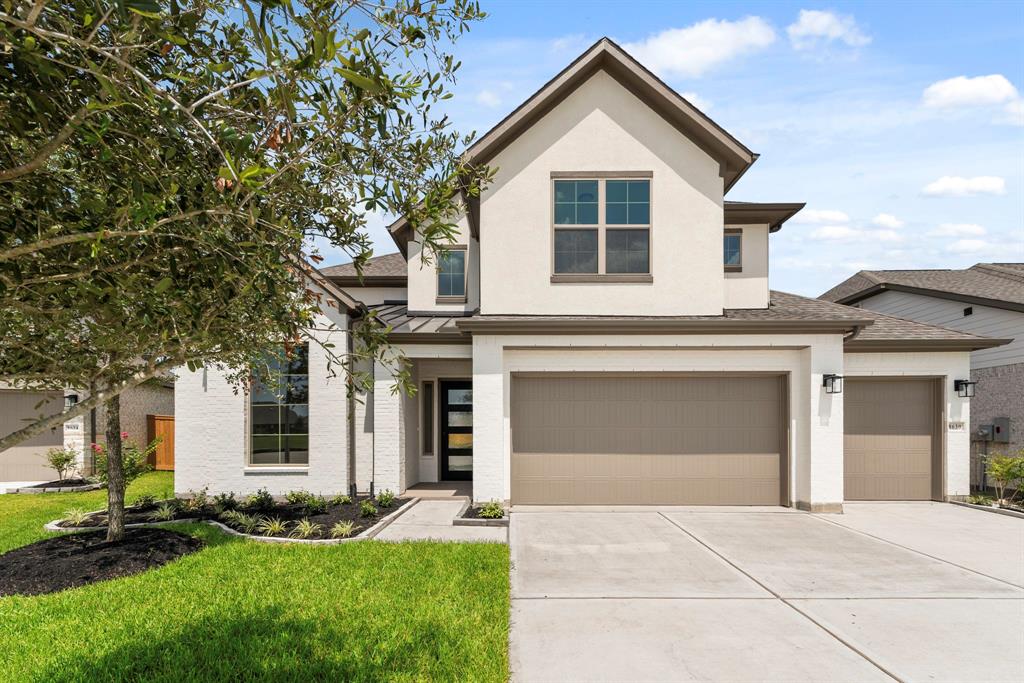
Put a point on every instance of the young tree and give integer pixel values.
(163, 166)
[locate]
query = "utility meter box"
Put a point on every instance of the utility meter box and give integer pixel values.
(984, 433)
(1001, 429)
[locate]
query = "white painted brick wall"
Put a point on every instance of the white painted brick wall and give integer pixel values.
(389, 431)
(211, 440)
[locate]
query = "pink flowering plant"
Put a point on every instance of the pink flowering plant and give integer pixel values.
(136, 460)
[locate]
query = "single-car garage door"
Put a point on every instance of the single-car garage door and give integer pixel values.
(891, 443)
(27, 460)
(648, 439)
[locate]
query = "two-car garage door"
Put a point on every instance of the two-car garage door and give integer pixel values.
(648, 439)
(27, 460)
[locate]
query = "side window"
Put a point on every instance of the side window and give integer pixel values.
(428, 418)
(279, 409)
(733, 253)
(451, 274)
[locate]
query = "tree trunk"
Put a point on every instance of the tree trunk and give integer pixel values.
(115, 472)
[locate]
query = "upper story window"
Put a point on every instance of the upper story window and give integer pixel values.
(279, 410)
(602, 227)
(451, 274)
(733, 255)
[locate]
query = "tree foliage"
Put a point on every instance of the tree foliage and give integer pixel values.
(165, 165)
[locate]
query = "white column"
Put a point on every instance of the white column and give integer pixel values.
(388, 431)
(820, 477)
(490, 457)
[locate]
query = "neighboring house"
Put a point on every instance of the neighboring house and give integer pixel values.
(27, 460)
(601, 332)
(985, 299)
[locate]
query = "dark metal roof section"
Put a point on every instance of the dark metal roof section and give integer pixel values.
(415, 327)
(999, 285)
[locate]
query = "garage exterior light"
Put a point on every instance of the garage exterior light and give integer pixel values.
(70, 401)
(964, 388)
(833, 384)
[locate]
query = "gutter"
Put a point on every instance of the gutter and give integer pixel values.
(351, 399)
(853, 334)
(657, 326)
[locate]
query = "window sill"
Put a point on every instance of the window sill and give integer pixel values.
(450, 300)
(276, 469)
(734, 269)
(608, 278)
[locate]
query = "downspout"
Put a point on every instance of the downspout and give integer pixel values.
(853, 334)
(350, 347)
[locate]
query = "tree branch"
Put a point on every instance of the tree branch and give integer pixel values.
(47, 150)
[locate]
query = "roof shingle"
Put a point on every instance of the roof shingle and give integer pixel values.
(386, 266)
(996, 282)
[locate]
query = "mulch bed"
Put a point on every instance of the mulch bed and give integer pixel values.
(80, 559)
(286, 512)
(60, 483)
(473, 512)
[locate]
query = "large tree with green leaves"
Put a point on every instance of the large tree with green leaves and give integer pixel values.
(163, 167)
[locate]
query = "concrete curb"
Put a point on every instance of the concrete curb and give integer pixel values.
(989, 508)
(363, 536)
(61, 489)
(472, 521)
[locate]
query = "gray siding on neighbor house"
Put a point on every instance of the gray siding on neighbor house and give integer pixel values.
(984, 321)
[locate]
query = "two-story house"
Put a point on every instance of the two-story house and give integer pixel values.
(985, 299)
(602, 332)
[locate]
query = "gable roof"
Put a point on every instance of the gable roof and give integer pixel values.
(999, 285)
(605, 55)
(384, 270)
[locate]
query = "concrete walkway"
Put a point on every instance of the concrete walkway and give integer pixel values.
(887, 591)
(6, 486)
(432, 520)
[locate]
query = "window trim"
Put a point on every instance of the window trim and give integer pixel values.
(733, 267)
(602, 227)
(465, 277)
(427, 419)
(252, 467)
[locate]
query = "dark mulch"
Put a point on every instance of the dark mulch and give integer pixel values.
(80, 559)
(61, 483)
(473, 512)
(286, 512)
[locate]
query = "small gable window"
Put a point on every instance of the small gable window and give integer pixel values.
(733, 256)
(451, 274)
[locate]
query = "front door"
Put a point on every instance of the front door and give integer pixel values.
(456, 429)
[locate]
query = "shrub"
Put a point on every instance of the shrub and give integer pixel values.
(248, 524)
(223, 502)
(261, 501)
(341, 499)
(164, 512)
(63, 460)
(979, 499)
(196, 501)
(145, 500)
(297, 497)
(343, 529)
(491, 510)
(136, 461)
(386, 498)
(75, 517)
(272, 526)
(316, 505)
(1006, 472)
(305, 529)
(367, 509)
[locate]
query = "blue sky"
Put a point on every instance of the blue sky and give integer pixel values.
(900, 124)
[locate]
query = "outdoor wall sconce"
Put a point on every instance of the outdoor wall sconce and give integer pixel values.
(833, 384)
(964, 388)
(70, 401)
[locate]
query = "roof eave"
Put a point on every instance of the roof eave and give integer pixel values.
(774, 213)
(660, 326)
(937, 293)
(933, 345)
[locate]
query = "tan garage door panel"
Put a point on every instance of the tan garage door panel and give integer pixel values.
(667, 440)
(890, 435)
(27, 460)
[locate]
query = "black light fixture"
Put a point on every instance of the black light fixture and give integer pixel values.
(70, 401)
(964, 388)
(833, 384)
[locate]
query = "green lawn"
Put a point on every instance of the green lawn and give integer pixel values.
(240, 610)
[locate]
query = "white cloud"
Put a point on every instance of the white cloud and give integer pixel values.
(970, 92)
(957, 186)
(821, 216)
(815, 27)
(844, 233)
(696, 49)
(957, 230)
(969, 246)
(487, 98)
(1013, 113)
(887, 220)
(696, 100)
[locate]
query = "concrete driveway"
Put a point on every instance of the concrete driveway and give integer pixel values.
(904, 591)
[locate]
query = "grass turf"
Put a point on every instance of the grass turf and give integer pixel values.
(241, 610)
